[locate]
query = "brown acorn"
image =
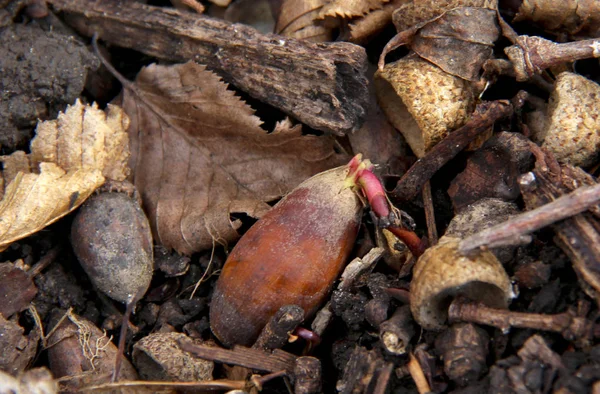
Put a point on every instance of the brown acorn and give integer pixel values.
(291, 256)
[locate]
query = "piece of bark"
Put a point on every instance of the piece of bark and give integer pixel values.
(532, 274)
(362, 370)
(322, 85)
(17, 289)
(535, 359)
(464, 349)
(489, 173)
(484, 116)
(18, 349)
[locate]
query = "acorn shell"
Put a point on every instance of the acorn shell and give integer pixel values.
(291, 256)
(572, 127)
(422, 101)
(442, 273)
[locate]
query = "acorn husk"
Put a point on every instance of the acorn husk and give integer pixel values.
(442, 273)
(422, 101)
(572, 121)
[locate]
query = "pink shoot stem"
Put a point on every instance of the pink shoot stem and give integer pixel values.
(361, 174)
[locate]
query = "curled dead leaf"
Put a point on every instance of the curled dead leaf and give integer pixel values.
(70, 157)
(199, 154)
(350, 8)
(300, 19)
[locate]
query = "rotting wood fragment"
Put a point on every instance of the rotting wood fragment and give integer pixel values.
(322, 85)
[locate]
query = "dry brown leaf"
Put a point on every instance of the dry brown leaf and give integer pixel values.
(300, 19)
(199, 154)
(350, 8)
(70, 158)
(362, 29)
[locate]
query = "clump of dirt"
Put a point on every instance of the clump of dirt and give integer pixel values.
(42, 72)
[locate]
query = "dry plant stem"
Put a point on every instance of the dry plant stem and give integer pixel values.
(123, 336)
(259, 381)
(432, 233)
(532, 55)
(276, 361)
(322, 85)
(383, 379)
(222, 384)
(417, 374)
(567, 324)
(45, 261)
(515, 230)
(397, 332)
(401, 295)
(486, 113)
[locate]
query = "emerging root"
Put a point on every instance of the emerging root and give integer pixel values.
(91, 353)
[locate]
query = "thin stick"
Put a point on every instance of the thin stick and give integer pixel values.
(432, 233)
(45, 261)
(383, 379)
(122, 338)
(515, 229)
(223, 384)
(567, 324)
(417, 374)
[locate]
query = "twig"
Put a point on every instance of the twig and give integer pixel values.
(246, 357)
(417, 374)
(223, 384)
(486, 113)
(432, 233)
(383, 379)
(532, 55)
(45, 261)
(258, 381)
(567, 324)
(515, 229)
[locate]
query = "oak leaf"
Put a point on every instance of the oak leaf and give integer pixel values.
(199, 154)
(70, 158)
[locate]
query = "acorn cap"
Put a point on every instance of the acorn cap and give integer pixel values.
(442, 273)
(572, 121)
(422, 101)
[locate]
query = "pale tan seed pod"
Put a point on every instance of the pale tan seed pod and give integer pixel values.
(422, 101)
(159, 357)
(442, 273)
(572, 125)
